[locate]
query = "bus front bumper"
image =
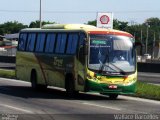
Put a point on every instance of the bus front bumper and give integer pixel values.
(105, 88)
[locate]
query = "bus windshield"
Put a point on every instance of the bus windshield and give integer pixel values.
(111, 53)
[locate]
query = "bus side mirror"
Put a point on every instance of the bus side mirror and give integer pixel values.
(136, 44)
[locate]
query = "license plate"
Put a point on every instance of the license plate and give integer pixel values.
(112, 87)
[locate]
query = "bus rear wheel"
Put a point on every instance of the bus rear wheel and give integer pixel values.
(34, 80)
(34, 83)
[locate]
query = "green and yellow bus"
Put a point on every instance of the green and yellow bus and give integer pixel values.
(77, 58)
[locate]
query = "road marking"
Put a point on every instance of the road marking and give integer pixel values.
(13, 80)
(139, 99)
(16, 108)
(101, 106)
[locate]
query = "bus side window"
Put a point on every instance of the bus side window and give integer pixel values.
(81, 54)
(72, 43)
(31, 41)
(61, 43)
(22, 41)
(50, 43)
(40, 42)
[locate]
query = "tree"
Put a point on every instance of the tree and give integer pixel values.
(154, 27)
(116, 24)
(36, 24)
(153, 22)
(119, 25)
(11, 27)
(94, 23)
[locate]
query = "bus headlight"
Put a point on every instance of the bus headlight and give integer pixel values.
(93, 77)
(88, 76)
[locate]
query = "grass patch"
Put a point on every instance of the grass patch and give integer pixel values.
(149, 91)
(7, 73)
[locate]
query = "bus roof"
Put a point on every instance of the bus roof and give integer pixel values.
(78, 27)
(68, 26)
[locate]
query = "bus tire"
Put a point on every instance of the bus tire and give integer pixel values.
(70, 86)
(34, 80)
(113, 96)
(34, 83)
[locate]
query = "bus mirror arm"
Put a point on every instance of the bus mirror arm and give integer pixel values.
(85, 50)
(86, 47)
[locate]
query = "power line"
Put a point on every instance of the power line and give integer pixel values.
(139, 11)
(36, 11)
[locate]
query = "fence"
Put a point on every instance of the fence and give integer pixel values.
(8, 51)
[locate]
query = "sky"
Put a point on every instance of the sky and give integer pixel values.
(77, 11)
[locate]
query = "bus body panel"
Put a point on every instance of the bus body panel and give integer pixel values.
(103, 84)
(51, 69)
(25, 63)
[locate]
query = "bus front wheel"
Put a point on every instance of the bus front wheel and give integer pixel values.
(113, 96)
(70, 86)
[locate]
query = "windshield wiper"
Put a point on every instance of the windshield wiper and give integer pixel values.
(107, 65)
(120, 70)
(103, 64)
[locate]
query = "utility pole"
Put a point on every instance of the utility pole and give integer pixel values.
(40, 14)
(147, 38)
(141, 36)
(141, 51)
(154, 39)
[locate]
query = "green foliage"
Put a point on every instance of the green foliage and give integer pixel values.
(94, 23)
(153, 22)
(119, 25)
(11, 27)
(15, 27)
(153, 26)
(36, 24)
(7, 73)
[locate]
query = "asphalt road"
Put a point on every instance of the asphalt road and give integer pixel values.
(18, 100)
(149, 77)
(7, 65)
